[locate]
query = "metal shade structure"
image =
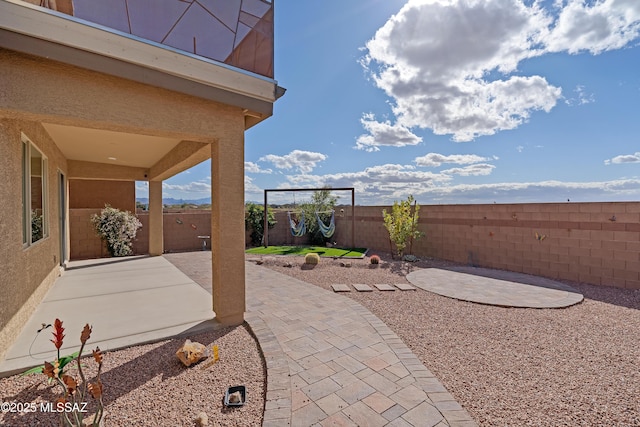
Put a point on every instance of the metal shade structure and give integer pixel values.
(353, 210)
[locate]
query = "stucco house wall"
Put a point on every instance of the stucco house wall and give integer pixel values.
(86, 194)
(27, 272)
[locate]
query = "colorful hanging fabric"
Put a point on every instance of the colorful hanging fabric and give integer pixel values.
(327, 230)
(299, 229)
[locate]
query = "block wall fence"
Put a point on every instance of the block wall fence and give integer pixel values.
(181, 231)
(596, 243)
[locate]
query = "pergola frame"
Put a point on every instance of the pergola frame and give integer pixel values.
(353, 210)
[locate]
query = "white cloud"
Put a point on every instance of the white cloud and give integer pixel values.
(250, 187)
(303, 161)
(624, 158)
(384, 134)
(581, 97)
(473, 170)
(435, 159)
(383, 184)
(595, 26)
(447, 65)
(255, 168)
(528, 192)
(192, 187)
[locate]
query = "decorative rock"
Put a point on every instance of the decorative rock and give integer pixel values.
(202, 419)
(192, 352)
(235, 397)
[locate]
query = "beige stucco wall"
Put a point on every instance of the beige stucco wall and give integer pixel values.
(84, 98)
(85, 194)
(27, 273)
(37, 90)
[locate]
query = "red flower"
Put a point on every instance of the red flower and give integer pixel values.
(58, 334)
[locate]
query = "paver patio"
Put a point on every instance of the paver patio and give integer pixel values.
(332, 362)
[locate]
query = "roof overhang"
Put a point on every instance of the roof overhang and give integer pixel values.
(42, 32)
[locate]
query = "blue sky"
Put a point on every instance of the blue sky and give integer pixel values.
(453, 101)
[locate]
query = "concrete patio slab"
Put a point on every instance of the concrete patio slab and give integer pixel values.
(127, 301)
(496, 287)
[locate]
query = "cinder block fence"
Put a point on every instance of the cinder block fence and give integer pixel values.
(597, 243)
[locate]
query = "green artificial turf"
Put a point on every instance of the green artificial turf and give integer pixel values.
(303, 250)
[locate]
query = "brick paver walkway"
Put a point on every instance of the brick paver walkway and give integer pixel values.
(331, 362)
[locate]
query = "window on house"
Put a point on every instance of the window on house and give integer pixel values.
(34, 193)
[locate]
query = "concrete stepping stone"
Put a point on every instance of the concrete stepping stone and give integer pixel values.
(341, 288)
(405, 287)
(363, 288)
(384, 287)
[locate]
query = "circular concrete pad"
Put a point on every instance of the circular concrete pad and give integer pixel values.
(495, 287)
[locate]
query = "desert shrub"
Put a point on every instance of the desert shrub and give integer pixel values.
(73, 402)
(254, 221)
(117, 229)
(402, 224)
(312, 259)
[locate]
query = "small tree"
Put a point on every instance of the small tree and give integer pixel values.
(118, 229)
(321, 201)
(402, 224)
(254, 221)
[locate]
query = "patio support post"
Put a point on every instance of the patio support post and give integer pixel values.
(227, 225)
(156, 239)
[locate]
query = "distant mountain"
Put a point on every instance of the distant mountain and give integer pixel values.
(172, 201)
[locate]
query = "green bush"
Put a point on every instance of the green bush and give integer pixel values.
(254, 221)
(402, 224)
(117, 229)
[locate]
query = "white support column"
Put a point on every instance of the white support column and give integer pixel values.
(227, 226)
(156, 238)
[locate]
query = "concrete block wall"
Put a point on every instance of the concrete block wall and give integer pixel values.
(84, 243)
(181, 231)
(597, 243)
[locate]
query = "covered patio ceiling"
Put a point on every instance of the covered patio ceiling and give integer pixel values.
(104, 154)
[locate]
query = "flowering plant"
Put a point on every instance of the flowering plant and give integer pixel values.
(71, 405)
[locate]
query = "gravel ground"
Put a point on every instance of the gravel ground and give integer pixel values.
(578, 366)
(147, 386)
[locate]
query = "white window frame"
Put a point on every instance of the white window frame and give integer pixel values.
(27, 149)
